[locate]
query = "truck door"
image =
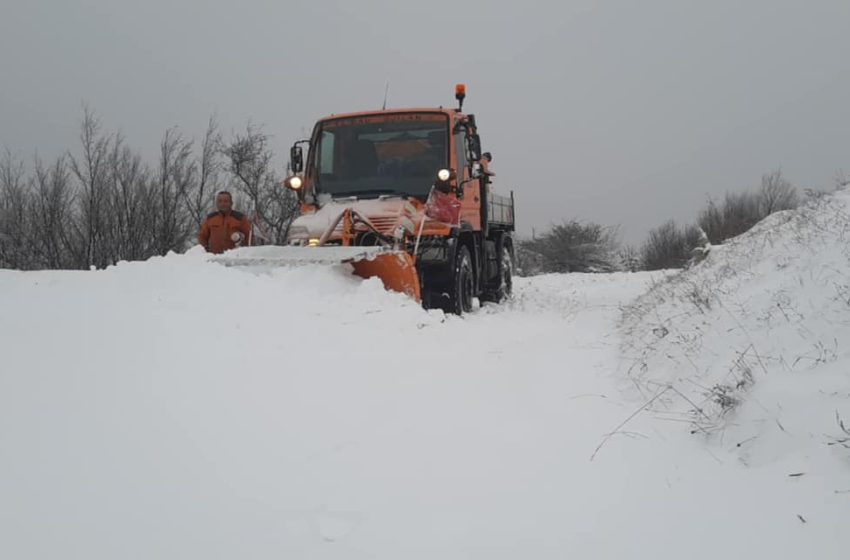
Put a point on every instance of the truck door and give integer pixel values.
(470, 211)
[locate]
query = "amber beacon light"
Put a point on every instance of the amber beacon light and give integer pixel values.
(460, 94)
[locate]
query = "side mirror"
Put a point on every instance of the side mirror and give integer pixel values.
(473, 142)
(296, 159)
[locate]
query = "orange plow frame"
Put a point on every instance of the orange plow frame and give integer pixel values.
(395, 267)
(397, 270)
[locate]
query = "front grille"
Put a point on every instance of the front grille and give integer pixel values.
(384, 224)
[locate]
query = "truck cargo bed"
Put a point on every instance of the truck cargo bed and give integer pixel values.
(500, 211)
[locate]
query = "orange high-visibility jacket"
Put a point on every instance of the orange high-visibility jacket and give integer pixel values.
(218, 228)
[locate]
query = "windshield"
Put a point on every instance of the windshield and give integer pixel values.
(381, 154)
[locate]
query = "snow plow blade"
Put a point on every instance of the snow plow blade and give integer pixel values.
(396, 269)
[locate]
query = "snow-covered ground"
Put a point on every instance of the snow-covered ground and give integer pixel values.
(180, 409)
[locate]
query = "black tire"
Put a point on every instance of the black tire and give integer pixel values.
(462, 283)
(507, 281)
(503, 285)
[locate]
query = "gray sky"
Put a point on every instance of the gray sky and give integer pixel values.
(621, 112)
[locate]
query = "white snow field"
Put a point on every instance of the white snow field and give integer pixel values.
(177, 408)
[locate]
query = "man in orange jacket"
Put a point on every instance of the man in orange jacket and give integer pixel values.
(226, 228)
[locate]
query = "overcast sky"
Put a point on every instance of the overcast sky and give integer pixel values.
(621, 112)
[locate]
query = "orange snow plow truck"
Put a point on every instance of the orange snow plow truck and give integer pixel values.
(404, 195)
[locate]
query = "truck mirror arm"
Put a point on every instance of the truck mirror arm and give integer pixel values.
(296, 156)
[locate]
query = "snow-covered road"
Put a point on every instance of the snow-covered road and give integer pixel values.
(180, 409)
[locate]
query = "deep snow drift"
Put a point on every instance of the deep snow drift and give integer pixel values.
(753, 345)
(180, 409)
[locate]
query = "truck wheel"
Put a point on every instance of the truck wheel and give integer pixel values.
(507, 287)
(463, 283)
(504, 283)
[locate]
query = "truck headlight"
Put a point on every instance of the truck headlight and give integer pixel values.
(294, 183)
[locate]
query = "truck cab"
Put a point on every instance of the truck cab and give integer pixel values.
(419, 182)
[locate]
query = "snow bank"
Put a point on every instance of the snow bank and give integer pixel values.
(752, 347)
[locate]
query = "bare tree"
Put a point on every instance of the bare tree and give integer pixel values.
(528, 261)
(280, 208)
(14, 213)
(200, 196)
(51, 213)
(173, 182)
(629, 258)
(572, 247)
(776, 194)
(249, 161)
(740, 211)
(736, 214)
(105, 204)
(130, 204)
(91, 170)
(669, 246)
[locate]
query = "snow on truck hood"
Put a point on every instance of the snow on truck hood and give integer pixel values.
(384, 213)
